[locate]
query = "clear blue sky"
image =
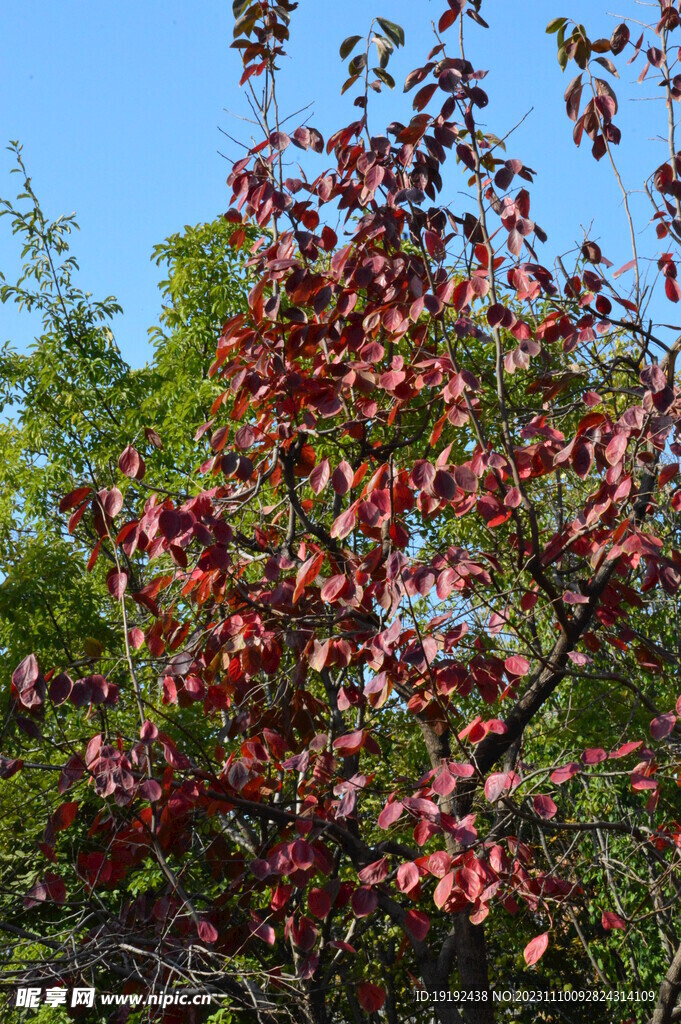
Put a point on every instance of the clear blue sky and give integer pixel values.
(119, 106)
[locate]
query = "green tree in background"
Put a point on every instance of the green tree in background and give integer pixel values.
(70, 404)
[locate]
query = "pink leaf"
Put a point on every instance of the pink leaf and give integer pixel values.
(148, 732)
(516, 665)
(319, 477)
(374, 873)
(151, 790)
(407, 877)
(561, 775)
(623, 269)
(535, 949)
(116, 583)
(616, 448)
(345, 524)
(594, 755)
(662, 725)
(208, 933)
(544, 806)
(499, 784)
(390, 813)
(349, 744)
(443, 890)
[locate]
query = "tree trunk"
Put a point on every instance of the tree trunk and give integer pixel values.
(471, 955)
(669, 991)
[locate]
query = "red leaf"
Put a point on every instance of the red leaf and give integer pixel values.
(319, 902)
(301, 854)
(151, 790)
(64, 816)
(342, 478)
(626, 748)
(444, 485)
(424, 96)
(370, 997)
(594, 755)
(332, 588)
(131, 463)
(153, 438)
(672, 289)
(28, 683)
(417, 924)
(668, 473)
(363, 902)
(262, 930)
(51, 888)
(307, 573)
(135, 638)
(623, 269)
(26, 673)
(279, 140)
(610, 920)
(74, 498)
(465, 478)
(148, 732)
(535, 949)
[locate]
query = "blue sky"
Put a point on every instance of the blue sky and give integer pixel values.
(119, 107)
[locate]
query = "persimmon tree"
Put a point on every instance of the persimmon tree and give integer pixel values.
(397, 705)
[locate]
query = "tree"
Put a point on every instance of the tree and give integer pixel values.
(70, 404)
(397, 705)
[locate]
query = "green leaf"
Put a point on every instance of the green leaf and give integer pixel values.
(556, 24)
(239, 6)
(395, 33)
(348, 45)
(562, 58)
(357, 64)
(384, 77)
(384, 48)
